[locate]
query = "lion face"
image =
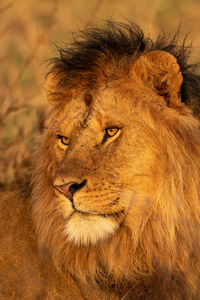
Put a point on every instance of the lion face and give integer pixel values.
(106, 156)
(109, 151)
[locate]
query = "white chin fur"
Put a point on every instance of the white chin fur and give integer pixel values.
(89, 229)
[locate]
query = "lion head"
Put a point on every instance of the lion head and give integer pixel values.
(116, 186)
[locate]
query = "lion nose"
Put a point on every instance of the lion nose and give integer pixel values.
(69, 188)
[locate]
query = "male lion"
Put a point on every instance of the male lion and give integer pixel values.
(112, 210)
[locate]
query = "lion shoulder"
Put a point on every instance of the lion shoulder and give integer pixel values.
(22, 273)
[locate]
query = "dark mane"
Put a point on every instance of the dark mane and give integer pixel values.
(121, 42)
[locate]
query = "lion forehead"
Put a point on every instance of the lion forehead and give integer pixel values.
(108, 107)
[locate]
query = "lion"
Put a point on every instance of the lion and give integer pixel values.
(112, 209)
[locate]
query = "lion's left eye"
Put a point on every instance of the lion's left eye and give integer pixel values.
(63, 139)
(111, 131)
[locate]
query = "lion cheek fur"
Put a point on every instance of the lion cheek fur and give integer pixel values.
(89, 229)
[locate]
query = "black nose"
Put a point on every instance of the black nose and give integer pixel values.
(69, 188)
(74, 187)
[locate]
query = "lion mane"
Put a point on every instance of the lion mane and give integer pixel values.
(113, 207)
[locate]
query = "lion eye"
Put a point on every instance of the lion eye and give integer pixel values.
(111, 131)
(64, 140)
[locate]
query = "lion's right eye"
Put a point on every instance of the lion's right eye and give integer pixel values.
(63, 140)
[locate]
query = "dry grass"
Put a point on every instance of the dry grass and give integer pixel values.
(28, 30)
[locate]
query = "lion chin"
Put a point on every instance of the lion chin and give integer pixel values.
(84, 230)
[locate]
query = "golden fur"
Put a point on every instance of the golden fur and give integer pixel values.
(132, 230)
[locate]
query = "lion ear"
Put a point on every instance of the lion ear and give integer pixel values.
(161, 71)
(54, 92)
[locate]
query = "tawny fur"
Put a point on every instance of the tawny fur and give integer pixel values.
(133, 229)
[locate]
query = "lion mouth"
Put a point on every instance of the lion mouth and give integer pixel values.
(115, 215)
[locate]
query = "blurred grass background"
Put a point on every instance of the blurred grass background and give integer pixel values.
(28, 31)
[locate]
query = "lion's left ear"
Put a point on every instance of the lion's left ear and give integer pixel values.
(161, 72)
